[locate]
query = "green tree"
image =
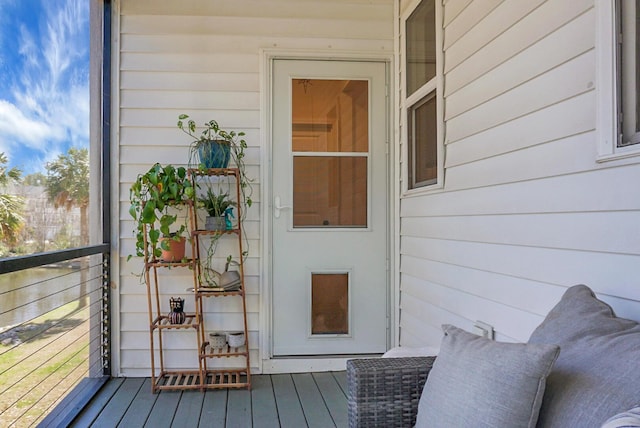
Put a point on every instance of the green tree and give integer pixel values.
(11, 206)
(67, 186)
(35, 179)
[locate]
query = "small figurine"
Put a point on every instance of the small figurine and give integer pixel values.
(177, 315)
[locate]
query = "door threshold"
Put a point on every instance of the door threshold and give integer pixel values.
(306, 364)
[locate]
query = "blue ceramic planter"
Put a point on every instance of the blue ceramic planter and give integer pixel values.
(214, 154)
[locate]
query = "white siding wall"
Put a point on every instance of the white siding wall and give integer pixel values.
(201, 57)
(525, 211)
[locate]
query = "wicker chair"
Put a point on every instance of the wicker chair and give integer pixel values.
(384, 392)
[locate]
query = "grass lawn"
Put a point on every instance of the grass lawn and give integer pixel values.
(51, 359)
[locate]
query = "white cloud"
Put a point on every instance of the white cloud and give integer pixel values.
(14, 125)
(48, 110)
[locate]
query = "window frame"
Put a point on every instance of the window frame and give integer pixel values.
(609, 84)
(407, 102)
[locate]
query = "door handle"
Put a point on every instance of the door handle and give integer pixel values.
(277, 207)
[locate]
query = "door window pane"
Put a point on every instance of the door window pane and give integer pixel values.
(330, 115)
(331, 118)
(330, 303)
(329, 191)
(421, 46)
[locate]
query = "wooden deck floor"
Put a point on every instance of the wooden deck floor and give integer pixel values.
(283, 400)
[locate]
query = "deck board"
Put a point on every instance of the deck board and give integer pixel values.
(314, 408)
(287, 402)
(341, 378)
(117, 406)
(140, 407)
(281, 400)
(263, 403)
(334, 398)
(163, 411)
(95, 407)
(214, 408)
(239, 409)
(189, 409)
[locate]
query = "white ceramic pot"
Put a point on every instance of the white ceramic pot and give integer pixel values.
(235, 339)
(217, 340)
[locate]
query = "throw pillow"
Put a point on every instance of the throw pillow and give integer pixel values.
(481, 383)
(596, 374)
(630, 419)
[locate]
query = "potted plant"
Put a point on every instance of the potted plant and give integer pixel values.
(229, 280)
(152, 195)
(213, 145)
(218, 208)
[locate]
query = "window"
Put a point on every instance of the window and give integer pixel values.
(422, 103)
(422, 133)
(618, 45)
(628, 11)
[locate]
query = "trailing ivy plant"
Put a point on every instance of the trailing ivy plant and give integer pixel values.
(211, 130)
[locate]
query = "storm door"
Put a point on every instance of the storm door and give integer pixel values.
(330, 202)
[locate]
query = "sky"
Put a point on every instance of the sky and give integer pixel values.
(44, 80)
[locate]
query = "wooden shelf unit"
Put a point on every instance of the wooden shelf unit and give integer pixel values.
(237, 377)
(203, 377)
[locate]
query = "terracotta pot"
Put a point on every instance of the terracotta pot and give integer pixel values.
(176, 250)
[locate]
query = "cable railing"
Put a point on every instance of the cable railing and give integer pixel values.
(54, 335)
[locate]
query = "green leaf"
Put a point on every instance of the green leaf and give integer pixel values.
(173, 189)
(164, 244)
(153, 176)
(148, 214)
(154, 235)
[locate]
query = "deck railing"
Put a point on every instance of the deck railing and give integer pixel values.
(54, 334)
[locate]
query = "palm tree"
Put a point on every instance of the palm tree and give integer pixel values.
(67, 186)
(11, 206)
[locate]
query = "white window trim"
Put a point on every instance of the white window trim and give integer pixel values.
(405, 102)
(608, 128)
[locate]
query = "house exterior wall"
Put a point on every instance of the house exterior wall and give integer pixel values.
(203, 58)
(526, 210)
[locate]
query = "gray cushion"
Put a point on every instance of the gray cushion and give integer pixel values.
(476, 382)
(598, 371)
(630, 419)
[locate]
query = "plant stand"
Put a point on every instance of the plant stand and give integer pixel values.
(160, 324)
(232, 377)
(205, 376)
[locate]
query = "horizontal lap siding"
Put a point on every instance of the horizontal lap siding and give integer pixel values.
(525, 211)
(203, 58)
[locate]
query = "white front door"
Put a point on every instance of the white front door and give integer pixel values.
(330, 208)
